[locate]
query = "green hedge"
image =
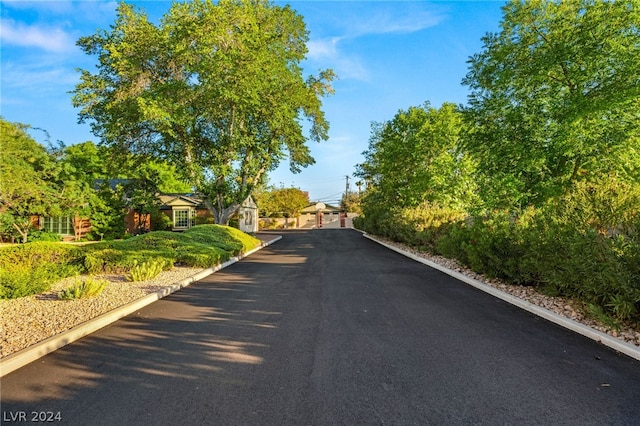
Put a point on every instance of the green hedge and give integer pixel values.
(31, 268)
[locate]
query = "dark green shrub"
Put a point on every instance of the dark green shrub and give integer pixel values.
(224, 237)
(199, 256)
(31, 268)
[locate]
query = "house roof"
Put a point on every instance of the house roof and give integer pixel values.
(186, 200)
(192, 200)
(327, 209)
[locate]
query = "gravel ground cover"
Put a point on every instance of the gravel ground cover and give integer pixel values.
(29, 320)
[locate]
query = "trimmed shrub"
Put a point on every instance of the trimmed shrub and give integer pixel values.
(201, 256)
(31, 268)
(225, 237)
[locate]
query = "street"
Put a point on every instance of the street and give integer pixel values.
(327, 327)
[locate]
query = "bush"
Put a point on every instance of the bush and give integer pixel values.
(20, 281)
(31, 268)
(583, 245)
(145, 270)
(87, 287)
(44, 236)
(224, 237)
(202, 256)
(28, 269)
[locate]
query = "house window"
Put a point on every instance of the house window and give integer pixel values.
(58, 225)
(182, 218)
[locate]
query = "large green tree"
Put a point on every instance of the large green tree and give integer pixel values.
(416, 157)
(555, 98)
(287, 202)
(215, 88)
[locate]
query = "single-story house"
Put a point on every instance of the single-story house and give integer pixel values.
(183, 211)
(186, 210)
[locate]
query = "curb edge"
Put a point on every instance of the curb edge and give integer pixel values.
(27, 355)
(610, 341)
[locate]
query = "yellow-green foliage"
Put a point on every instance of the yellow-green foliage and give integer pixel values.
(30, 268)
(87, 287)
(144, 271)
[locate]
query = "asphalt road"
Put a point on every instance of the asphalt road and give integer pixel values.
(327, 327)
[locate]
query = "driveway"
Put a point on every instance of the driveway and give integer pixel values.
(327, 327)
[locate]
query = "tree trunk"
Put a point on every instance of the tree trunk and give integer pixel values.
(22, 233)
(222, 215)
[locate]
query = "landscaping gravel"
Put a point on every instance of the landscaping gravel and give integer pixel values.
(29, 320)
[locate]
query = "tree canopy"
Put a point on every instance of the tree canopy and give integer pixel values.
(287, 202)
(555, 98)
(416, 157)
(27, 178)
(215, 88)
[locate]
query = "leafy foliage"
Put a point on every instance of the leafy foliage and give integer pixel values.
(279, 202)
(551, 135)
(416, 157)
(27, 178)
(31, 268)
(554, 99)
(216, 88)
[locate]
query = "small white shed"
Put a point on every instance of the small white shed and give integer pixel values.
(248, 216)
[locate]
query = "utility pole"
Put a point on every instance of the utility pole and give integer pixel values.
(346, 189)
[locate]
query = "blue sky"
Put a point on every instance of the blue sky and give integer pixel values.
(388, 55)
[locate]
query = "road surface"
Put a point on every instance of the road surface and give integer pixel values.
(327, 327)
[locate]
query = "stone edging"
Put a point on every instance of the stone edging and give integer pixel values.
(25, 356)
(610, 341)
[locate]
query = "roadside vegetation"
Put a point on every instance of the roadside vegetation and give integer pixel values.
(275, 203)
(83, 288)
(78, 181)
(32, 268)
(537, 180)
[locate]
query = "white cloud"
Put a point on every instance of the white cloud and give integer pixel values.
(51, 39)
(405, 19)
(326, 52)
(323, 49)
(395, 21)
(37, 79)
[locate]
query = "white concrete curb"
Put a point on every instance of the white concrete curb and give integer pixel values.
(610, 341)
(21, 358)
